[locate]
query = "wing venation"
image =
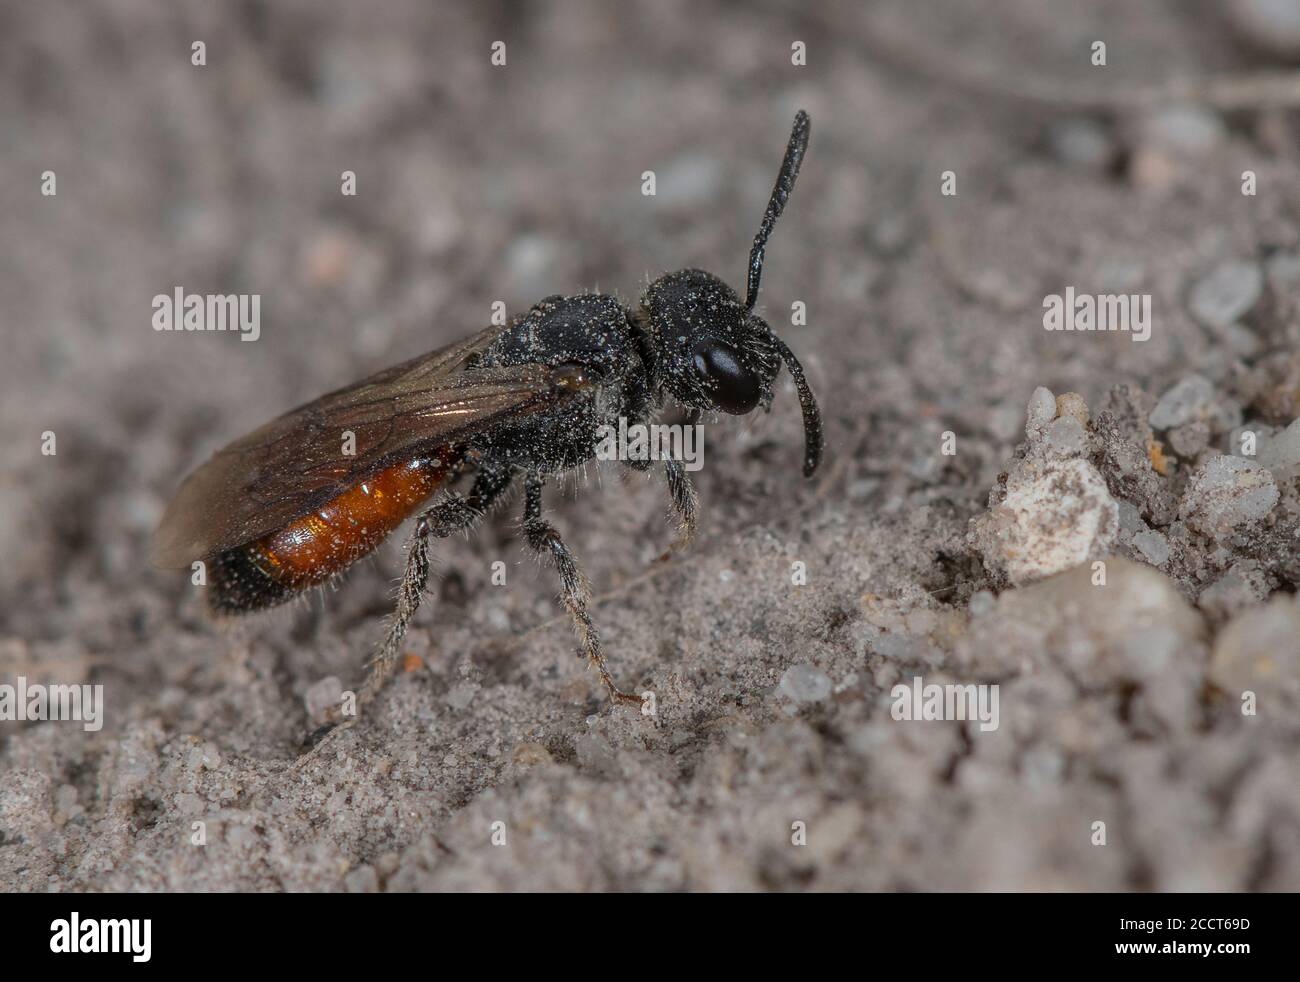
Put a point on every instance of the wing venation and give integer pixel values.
(295, 463)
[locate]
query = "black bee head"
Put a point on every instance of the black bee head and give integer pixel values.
(711, 353)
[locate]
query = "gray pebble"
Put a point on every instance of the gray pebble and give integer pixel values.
(1271, 25)
(1065, 437)
(1081, 143)
(1226, 294)
(1152, 546)
(1257, 652)
(805, 683)
(1040, 411)
(1184, 129)
(322, 696)
(1190, 439)
(1226, 493)
(1188, 400)
(1242, 586)
(459, 696)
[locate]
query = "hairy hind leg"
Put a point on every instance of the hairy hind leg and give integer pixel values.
(544, 539)
(686, 503)
(453, 514)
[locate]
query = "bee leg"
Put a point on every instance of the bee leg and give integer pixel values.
(544, 539)
(453, 514)
(685, 502)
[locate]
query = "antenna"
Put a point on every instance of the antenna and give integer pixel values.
(794, 152)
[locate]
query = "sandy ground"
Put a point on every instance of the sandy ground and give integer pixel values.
(1163, 701)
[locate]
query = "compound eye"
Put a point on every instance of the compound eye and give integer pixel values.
(734, 388)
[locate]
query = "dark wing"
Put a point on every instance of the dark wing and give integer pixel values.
(295, 463)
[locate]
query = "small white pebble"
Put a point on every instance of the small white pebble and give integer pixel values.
(1153, 546)
(805, 683)
(1040, 411)
(322, 696)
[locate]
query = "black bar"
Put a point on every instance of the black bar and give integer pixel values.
(323, 932)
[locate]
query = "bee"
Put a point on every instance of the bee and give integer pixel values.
(284, 509)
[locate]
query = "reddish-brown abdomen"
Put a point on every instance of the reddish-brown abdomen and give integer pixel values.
(312, 548)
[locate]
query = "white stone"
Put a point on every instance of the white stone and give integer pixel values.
(1225, 493)
(1226, 294)
(1056, 515)
(1040, 411)
(1190, 399)
(805, 683)
(1258, 652)
(1153, 546)
(1280, 452)
(322, 696)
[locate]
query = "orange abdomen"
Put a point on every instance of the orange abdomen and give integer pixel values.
(311, 549)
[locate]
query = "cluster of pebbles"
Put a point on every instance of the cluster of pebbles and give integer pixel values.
(1171, 523)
